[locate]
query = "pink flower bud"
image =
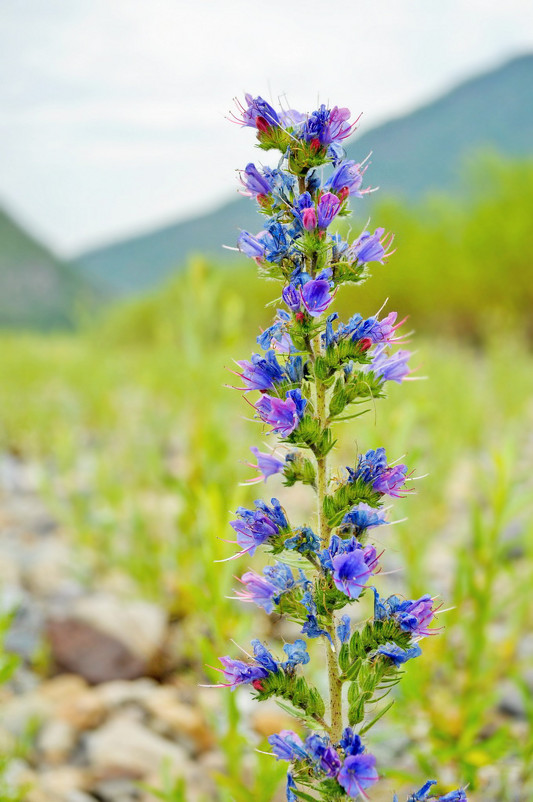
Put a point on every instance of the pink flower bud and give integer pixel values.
(309, 219)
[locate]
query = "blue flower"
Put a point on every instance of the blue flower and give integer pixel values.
(283, 415)
(347, 176)
(312, 629)
(294, 369)
(412, 616)
(251, 246)
(303, 540)
(321, 752)
(276, 336)
(261, 372)
(287, 745)
(357, 774)
(423, 792)
(327, 125)
(343, 630)
(265, 591)
(361, 518)
(257, 113)
(263, 656)
(399, 655)
(316, 296)
(351, 742)
(352, 570)
(296, 653)
(257, 526)
(291, 796)
(292, 298)
(372, 468)
(454, 796)
(237, 672)
(371, 247)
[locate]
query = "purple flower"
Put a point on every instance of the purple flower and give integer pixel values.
(358, 773)
(291, 297)
(390, 368)
(343, 630)
(347, 176)
(328, 207)
(352, 569)
(321, 752)
(251, 246)
(416, 616)
(258, 590)
(257, 526)
(399, 655)
(316, 296)
(275, 336)
(287, 745)
(296, 653)
(391, 481)
(236, 672)
(327, 125)
(372, 468)
(257, 113)
(376, 331)
(254, 183)
(371, 247)
(283, 416)
(267, 464)
(360, 518)
(261, 372)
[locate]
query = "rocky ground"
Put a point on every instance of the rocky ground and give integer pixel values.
(95, 707)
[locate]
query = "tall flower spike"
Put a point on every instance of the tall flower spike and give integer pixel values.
(313, 369)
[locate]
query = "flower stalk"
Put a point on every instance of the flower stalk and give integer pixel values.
(314, 372)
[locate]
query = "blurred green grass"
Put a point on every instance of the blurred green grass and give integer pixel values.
(141, 443)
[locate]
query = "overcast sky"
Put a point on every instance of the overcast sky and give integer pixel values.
(113, 111)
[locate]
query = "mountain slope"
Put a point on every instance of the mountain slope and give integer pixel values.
(422, 152)
(36, 289)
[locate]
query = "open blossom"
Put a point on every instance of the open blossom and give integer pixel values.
(328, 208)
(357, 774)
(371, 247)
(391, 367)
(251, 246)
(267, 464)
(283, 415)
(413, 616)
(255, 184)
(378, 332)
(316, 296)
(265, 591)
(398, 655)
(328, 125)
(257, 113)
(361, 518)
(261, 372)
(287, 745)
(372, 468)
(348, 177)
(255, 527)
(353, 569)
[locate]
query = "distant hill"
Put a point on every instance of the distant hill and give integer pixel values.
(37, 290)
(422, 152)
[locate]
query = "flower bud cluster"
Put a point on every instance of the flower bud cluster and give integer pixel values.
(311, 372)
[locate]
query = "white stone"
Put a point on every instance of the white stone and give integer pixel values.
(125, 745)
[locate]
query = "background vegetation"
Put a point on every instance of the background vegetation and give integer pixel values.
(142, 442)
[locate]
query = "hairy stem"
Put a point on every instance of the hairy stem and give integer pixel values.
(334, 679)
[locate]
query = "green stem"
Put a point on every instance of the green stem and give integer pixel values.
(334, 679)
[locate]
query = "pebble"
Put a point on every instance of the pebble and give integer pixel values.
(56, 740)
(124, 746)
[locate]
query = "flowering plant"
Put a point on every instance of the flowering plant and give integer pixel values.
(311, 373)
